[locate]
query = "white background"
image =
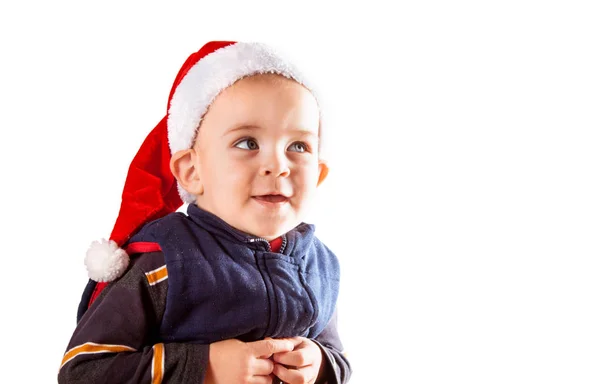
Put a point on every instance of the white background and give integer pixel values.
(464, 197)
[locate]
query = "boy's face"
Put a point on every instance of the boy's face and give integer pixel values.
(257, 155)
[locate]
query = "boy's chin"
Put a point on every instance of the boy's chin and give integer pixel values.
(271, 232)
(271, 235)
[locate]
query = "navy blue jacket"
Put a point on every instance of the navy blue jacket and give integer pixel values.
(226, 284)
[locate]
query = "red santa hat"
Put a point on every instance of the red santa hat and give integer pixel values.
(151, 191)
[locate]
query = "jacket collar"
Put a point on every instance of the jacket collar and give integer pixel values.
(298, 240)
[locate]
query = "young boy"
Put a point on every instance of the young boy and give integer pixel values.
(239, 289)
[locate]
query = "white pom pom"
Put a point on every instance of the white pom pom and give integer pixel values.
(105, 261)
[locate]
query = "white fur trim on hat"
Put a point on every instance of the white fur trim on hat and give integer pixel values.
(105, 261)
(207, 78)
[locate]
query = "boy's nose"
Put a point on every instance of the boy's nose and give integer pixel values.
(275, 165)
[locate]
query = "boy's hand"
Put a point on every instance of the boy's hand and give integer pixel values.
(233, 361)
(300, 366)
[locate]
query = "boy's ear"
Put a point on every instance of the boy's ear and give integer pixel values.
(185, 169)
(323, 171)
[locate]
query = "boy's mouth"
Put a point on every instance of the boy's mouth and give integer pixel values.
(271, 198)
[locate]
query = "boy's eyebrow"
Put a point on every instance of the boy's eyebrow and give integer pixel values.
(306, 132)
(241, 127)
(254, 127)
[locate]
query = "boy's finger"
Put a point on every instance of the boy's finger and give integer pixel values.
(267, 379)
(294, 359)
(262, 367)
(266, 348)
(297, 340)
(289, 375)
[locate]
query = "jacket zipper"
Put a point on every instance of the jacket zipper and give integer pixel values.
(260, 239)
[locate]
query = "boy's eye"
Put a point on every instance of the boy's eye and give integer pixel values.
(250, 144)
(298, 147)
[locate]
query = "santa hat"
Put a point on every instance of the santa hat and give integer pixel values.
(151, 190)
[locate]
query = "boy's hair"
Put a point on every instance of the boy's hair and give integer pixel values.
(151, 190)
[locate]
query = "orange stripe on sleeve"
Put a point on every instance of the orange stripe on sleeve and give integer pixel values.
(93, 348)
(158, 363)
(158, 275)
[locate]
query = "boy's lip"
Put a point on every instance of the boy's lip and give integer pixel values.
(272, 198)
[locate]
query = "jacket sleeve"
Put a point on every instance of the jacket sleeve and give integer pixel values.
(116, 340)
(337, 366)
